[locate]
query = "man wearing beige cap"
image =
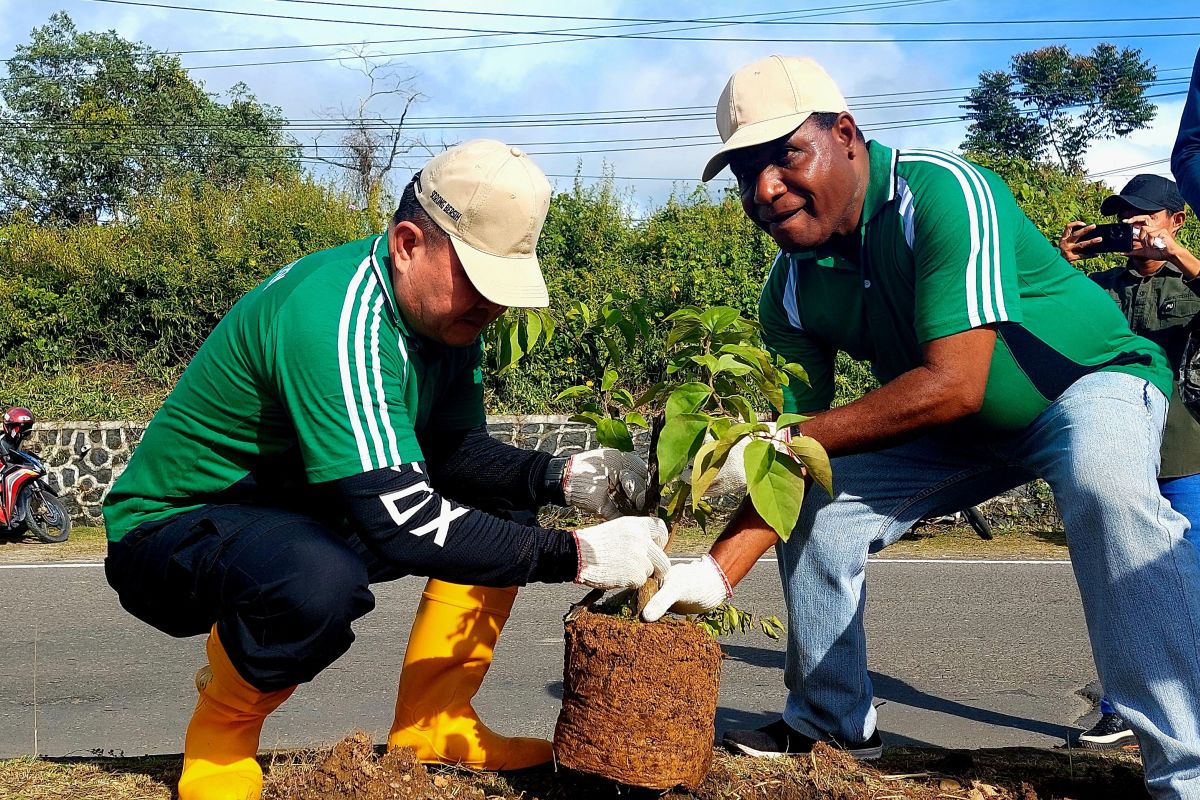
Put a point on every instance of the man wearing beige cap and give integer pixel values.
(998, 363)
(330, 434)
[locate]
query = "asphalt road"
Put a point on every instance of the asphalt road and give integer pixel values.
(962, 655)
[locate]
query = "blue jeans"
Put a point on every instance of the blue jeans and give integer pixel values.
(1097, 447)
(1183, 494)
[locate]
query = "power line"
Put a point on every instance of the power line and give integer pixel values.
(722, 22)
(1130, 167)
(652, 20)
(630, 36)
(552, 118)
(726, 21)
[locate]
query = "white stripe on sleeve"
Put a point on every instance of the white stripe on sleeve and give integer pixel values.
(348, 393)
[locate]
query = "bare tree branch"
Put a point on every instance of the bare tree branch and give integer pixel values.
(374, 138)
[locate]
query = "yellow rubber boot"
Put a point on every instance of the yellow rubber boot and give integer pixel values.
(222, 738)
(449, 652)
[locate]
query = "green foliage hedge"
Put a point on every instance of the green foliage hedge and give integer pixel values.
(98, 320)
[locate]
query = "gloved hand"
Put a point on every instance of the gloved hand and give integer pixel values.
(622, 553)
(731, 477)
(692, 587)
(590, 479)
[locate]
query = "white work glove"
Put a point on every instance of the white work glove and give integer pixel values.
(692, 587)
(590, 479)
(622, 553)
(731, 477)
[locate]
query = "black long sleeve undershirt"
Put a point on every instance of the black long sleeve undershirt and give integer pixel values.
(401, 519)
(473, 468)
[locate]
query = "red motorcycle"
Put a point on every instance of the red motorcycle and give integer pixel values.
(26, 500)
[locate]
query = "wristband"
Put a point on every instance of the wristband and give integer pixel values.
(721, 572)
(553, 480)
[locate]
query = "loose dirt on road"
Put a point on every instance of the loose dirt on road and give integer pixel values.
(356, 769)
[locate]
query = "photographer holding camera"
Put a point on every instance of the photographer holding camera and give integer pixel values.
(1159, 291)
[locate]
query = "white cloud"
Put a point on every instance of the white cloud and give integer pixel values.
(575, 76)
(1140, 147)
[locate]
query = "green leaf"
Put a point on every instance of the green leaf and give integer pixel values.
(609, 380)
(687, 312)
(708, 361)
(681, 437)
(688, 330)
(774, 395)
(687, 399)
(796, 371)
(649, 396)
(581, 310)
(718, 318)
(511, 351)
(548, 324)
(705, 467)
(776, 486)
(735, 432)
(623, 397)
(588, 416)
(788, 420)
(614, 433)
(533, 328)
(635, 418)
(732, 364)
(573, 393)
(743, 407)
(615, 348)
(816, 461)
(674, 507)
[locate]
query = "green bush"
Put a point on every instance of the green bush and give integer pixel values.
(98, 320)
(148, 289)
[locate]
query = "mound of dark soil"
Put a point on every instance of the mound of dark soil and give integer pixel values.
(355, 770)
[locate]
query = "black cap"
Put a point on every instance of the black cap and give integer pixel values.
(1146, 193)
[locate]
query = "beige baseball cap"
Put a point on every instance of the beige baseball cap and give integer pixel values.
(768, 99)
(491, 200)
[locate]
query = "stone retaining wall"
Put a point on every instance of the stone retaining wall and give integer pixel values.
(85, 458)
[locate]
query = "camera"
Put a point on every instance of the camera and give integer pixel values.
(1115, 237)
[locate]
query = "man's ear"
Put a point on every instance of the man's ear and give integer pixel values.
(403, 239)
(846, 131)
(1177, 220)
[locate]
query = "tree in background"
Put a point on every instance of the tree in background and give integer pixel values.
(1053, 104)
(88, 121)
(374, 136)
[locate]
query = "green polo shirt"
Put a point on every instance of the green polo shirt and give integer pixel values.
(312, 376)
(944, 249)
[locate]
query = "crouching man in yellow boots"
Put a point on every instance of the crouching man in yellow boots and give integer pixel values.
(330, 434)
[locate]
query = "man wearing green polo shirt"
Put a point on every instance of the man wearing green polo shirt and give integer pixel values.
(999, 363)
(328, 435)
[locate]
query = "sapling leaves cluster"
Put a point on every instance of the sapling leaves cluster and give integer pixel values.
(701, 410)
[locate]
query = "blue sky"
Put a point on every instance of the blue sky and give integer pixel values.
(560, 76)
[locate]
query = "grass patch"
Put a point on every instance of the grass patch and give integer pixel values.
(355, 768)
(96, 390)
(962, 542)
(86, 543)
(931, 541)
